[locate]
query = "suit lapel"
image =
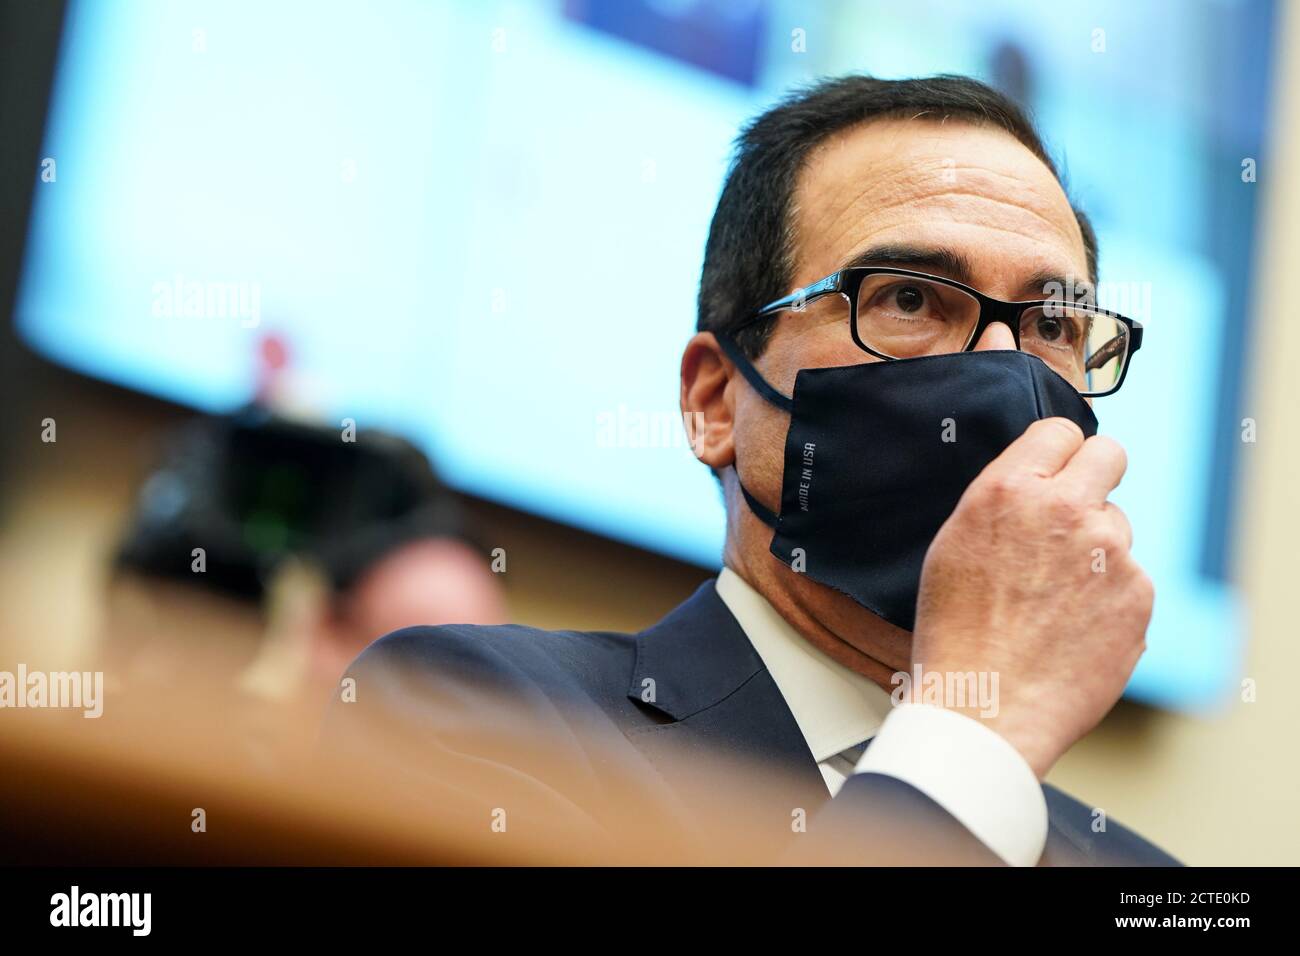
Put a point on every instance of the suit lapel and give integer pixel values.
(697, 671)
(697, 668)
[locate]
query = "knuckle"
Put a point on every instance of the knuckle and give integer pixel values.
(1118, 521)
(996, 487)
(1109, 537)
(1063, 509)
(1108, 542)
(1142, 592)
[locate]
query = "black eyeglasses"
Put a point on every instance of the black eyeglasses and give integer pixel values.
(899, 314)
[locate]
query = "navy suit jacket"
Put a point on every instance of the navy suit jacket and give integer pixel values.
(584, 692)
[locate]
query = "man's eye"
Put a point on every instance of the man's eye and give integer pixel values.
(900, 305)
(905, 302)
(1054, 331)
(909, 298)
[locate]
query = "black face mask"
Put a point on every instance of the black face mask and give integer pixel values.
(878, 455)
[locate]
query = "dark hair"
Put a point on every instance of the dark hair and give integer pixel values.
(747, 260)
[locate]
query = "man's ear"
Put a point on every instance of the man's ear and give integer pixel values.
(708, 406)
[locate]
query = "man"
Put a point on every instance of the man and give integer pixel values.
(892, 379)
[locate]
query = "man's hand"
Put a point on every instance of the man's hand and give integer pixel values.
(1031, 578)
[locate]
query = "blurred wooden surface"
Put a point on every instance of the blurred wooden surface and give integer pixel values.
(127, 787)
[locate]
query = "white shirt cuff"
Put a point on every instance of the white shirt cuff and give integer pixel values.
(970, 770)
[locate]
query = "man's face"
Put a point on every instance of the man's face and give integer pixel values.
(929, 195)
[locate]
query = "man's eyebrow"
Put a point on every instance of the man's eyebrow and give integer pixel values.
(939, 260)
(936, 259)
(1054, 285)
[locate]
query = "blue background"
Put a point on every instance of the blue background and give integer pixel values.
(482, 224)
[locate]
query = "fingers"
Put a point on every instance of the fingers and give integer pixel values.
(1095, 470)
(1043, 449)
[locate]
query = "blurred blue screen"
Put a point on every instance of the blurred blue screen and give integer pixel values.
(482, 224)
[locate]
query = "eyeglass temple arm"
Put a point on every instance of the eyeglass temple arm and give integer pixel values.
(1114, 347)
(1104, 354)
(830, 284)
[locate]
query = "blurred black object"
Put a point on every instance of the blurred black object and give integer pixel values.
(29, 43)
(252, 489)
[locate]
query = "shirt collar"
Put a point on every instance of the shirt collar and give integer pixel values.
(835, 707)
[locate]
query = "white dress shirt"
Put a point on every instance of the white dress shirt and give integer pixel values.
(967, 768)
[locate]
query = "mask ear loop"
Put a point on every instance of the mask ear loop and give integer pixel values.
(752, 375)
(765, 389)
